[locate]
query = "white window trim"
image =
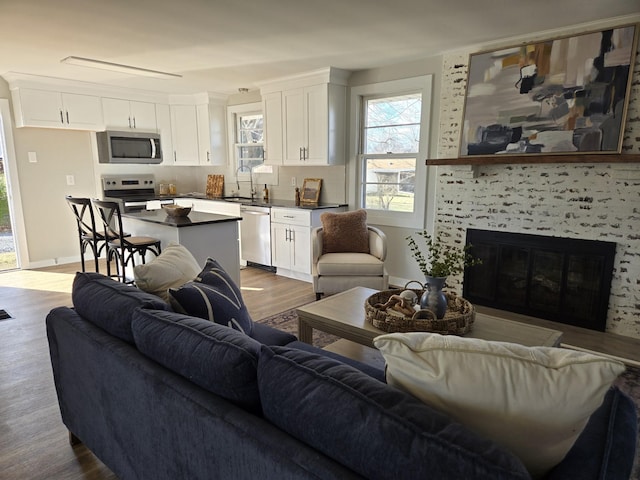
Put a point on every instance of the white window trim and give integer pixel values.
(232, 112)
(422, 84)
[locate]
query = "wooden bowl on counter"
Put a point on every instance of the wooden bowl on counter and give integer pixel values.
(176, 210)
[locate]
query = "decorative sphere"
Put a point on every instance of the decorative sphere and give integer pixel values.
(410, 296)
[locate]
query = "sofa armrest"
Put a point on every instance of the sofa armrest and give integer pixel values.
(606, 447)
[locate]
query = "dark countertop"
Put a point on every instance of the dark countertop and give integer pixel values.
(259, 202)
(194, 218)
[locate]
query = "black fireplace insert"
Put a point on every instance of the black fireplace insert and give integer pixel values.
(561, 279)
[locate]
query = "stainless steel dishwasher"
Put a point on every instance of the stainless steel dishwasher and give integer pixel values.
(255, 235)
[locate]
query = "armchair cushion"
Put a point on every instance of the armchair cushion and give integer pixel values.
(341, 264)
(345, 232)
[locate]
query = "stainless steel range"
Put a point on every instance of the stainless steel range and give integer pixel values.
(132, 191)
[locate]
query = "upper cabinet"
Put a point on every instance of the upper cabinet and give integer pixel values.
(308, 126)
(184, 132)
(129, 114)
(272, 115)
(54, 109)
(191, 136)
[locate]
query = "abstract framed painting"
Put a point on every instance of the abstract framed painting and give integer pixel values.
(566, 95)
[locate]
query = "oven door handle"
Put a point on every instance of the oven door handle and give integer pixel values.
(153, 148)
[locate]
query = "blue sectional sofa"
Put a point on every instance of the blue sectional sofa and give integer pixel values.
(160, 395)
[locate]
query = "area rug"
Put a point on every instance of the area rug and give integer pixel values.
(288, 322)
(628, 382)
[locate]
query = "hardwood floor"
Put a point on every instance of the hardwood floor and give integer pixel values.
(34, 442)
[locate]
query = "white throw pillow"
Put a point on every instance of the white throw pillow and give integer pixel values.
(533, 401)
(174, 267)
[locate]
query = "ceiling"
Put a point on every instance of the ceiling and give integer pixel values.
(219, 46)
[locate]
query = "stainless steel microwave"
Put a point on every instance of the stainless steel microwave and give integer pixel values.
(128, 147)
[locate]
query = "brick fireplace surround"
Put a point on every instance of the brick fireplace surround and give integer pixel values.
(590, 201)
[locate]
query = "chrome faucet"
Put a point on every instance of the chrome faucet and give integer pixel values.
(252, 190)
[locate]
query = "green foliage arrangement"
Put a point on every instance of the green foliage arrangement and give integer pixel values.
(443, 260)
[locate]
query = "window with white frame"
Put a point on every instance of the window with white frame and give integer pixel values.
(246, 132)
(390, 146)
(392, 121)
(249, 145)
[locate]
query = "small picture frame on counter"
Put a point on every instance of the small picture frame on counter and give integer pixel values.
(311, 190)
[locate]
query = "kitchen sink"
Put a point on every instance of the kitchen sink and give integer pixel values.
(238, 199)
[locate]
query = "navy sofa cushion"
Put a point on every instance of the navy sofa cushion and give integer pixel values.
(606, 446)
(363, 367)
(271, 336)
(110, 304)
(213, 296)
(219, 359)
(370, 427)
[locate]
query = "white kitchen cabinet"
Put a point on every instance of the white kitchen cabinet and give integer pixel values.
(184, 132)
(204, 134)
(291, 249)
(163, 124)
(291, 240)
(54, 109)
(190, 134)
(129, 114)
(309, 126)
(273, 136)
(306, 125)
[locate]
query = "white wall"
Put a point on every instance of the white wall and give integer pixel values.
(50, 227)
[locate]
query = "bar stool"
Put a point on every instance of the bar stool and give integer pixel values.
(88, 236)
(120, 247)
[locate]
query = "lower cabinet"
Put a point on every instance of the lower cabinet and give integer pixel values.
(291, 240)
(290, 249)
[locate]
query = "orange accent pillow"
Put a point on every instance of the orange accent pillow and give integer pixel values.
(345, 232)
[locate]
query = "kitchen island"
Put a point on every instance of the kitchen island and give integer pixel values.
(203, 234)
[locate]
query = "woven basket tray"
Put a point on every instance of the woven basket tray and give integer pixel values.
(458, 319)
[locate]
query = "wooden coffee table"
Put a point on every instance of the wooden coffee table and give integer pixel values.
(343, 315)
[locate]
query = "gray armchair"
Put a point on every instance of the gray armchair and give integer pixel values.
(337, 272)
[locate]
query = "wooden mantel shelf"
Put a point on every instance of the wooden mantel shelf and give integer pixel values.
(535, 159)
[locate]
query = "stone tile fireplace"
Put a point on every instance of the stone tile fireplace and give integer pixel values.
(566, 280)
